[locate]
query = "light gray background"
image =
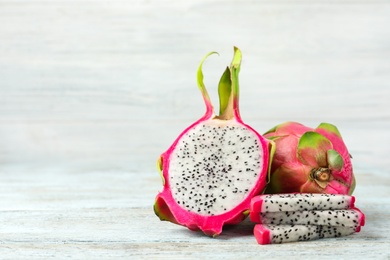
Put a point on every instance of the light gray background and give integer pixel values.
(91, 92)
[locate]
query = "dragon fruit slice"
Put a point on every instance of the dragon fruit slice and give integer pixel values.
(277, 234)
(300, 201)
(345, 218)
(309, 160)
(299, 217)
(214, 168)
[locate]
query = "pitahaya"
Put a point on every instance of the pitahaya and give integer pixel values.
(309, 160)
(300, 201)
(214, 168)
(277, 234)
(294, 217)
(306, 209)
(344, 218)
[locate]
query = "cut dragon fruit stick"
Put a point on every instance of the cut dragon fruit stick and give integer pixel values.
(301, 216)
(345, 218)
(277, 234)
(300, 201)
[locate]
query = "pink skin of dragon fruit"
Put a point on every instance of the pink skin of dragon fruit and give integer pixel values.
(309, 160)
(214, 168)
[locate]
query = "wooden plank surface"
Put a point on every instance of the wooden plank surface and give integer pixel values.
(91, 92)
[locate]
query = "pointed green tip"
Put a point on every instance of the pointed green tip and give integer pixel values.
(234, 71)
(236, 62)
(271, 152)
(272, 130)
(160, 169)
(313, 140)
(329, 128)
(224, 91)
(353, 186)
(335, 161)
(199, 77)
(246, 213)
(312, 149)
(200, 72)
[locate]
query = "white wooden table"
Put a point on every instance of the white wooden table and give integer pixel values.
(91, 92)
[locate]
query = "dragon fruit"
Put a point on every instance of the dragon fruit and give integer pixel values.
(345, 218)
(214, 168)
(294, 217)
(306, 209)
(301, 201)
(309, 160)
(277, 234)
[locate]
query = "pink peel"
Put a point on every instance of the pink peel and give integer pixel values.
(262, 235)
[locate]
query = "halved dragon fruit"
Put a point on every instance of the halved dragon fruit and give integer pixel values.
(309, 160)
(214, 168)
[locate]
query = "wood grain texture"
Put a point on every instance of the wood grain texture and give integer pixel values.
(91, 92)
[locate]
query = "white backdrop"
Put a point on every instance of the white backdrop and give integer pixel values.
(104, 84)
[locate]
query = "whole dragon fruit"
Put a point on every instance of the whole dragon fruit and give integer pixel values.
(214, 168)
(309, 160)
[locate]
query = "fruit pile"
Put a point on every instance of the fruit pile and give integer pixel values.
(214, 172)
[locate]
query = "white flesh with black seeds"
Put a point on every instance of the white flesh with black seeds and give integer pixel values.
(348, 218)
(305, 201)
(214, 166)
(292, 233)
